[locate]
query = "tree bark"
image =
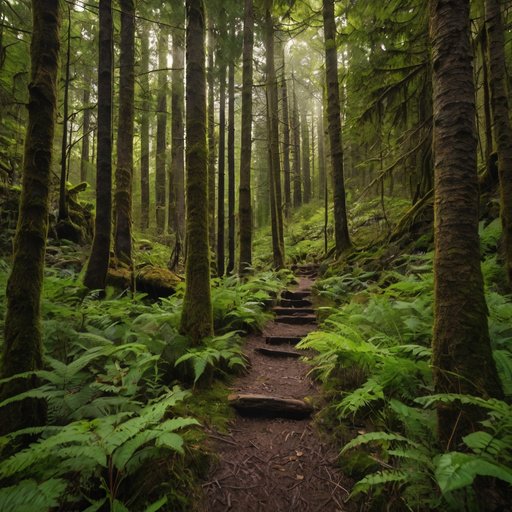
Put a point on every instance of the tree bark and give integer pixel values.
(286, 146)
(221, 58)
(211, 135)
(124, 170)
(462, 358)
(341, 234)
(501, 121)
(322, 174)
(144, 130)
(197, 314)
(161, 132)
(22, 350)
(297, 181)
(177, 187)
(86, 128)
(231, 166)
(245, 206)
(97, 267)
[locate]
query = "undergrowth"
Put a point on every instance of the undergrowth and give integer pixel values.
(373, 357)
(128, 401)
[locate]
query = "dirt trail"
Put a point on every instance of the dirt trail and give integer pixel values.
(276, 464)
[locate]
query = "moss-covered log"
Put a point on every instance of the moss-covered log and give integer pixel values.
(22, 348)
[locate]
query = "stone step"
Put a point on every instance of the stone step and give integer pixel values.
(297, 320)
(295, 303)
(272, 352)
(293, 311)
(252, 404)
(283, 340)
(302, 294)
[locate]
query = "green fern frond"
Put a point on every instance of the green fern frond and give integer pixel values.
(28, 495)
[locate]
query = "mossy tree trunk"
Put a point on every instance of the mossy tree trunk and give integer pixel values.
(124, 170)
(161, 131)
(306, 158)
(231, 165)
(462, 357)
(273, 143)
(197, 315)
(211, 134)
(245, 206)
(286, 145)
(144, 128)
(297, 180)
(177, 182)
(22, 350)
(341, 234)
(97, 267)
(221, 59)
(501, 120)
(86, 136)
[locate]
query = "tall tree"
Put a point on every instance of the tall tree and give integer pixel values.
(97, 268)
(306, 162)
(322, 174)
(245, 207)
(144, 127)
(211, 133)
(342, 238)
(297, 181)
(86, 136)
(161, 130)
(462, 357)
(231, 163)
(221, 57)
(273, 142)
(124, 170)
(197, 314)
(22, 350)
(177, 182)
(286, 144)
(501, 120)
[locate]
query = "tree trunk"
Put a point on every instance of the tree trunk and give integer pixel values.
(306, 165)
(211, 135)
(231, 167)
(22, 350)
(297, 181)
(177, 191)
(221, 58)
(144, 130)
(86, 136)
(501, 121)
(97, 267)
(124, 170)
(244, 201)
(342, 237)
(273, 146)
(161, 131)
(322, 175)
(462, 358)
(63, 204)
(286, 146)
(197, 314)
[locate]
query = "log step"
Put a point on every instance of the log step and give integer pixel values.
(297, 320)
(283, 340)
(295, 303)
(293, 311)
(272, 352)
(303, 294)
(270, 406)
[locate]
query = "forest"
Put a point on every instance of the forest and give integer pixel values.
(255, 255)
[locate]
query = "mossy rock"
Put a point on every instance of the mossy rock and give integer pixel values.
(157, 281)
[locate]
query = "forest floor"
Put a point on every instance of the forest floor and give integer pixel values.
(275, 464)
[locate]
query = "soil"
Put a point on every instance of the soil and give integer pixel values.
(275, 464)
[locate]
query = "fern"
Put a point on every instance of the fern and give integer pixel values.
(378, 479)
(29, 495)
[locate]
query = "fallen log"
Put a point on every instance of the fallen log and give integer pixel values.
(272, 352)
(270, 406)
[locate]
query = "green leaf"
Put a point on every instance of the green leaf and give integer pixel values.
(29, 496)
(157, 505)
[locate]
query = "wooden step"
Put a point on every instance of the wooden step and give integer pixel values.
(283, 340)
(270, 406)
(297, 320)
(293, 311)
(272, 352)
(302, 294)
(295, 303)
